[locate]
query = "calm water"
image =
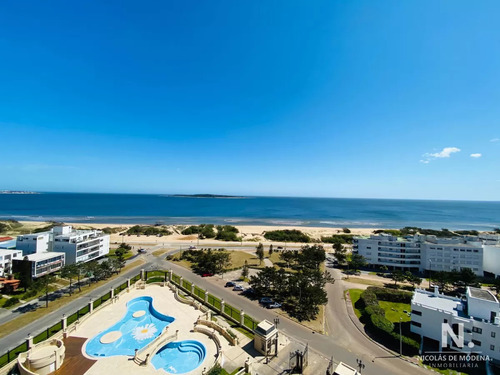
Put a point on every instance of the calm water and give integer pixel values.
(131, 208)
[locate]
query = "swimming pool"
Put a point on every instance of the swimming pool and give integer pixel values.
(180, 357)
(140, 325)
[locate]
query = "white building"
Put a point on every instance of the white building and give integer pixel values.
(34, 243)
(478, 314)
(77, 245)
(80, 245)
(419, 253)
(40, 264)
(6, 258)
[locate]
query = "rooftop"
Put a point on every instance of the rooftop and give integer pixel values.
(44, 255)
(482, 294)
(440, 302)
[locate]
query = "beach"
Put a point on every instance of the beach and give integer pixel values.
(251, 234)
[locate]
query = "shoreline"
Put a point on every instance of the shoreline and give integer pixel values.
(251, 234)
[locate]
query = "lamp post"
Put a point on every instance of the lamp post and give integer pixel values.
(400, 338)
(430, 273)
(361, 365)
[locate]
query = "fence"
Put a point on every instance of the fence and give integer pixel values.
(12, 354)
(198, 293)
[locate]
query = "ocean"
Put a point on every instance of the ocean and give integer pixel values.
(321, 212)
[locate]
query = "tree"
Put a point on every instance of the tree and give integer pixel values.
(398, 277)
(25, 273)
(245, 270)
(413, 279)
(116, 264)
(311, 256)
(43, 284)
(270, 249)
(260, 252)
(340, 252)
(357, 261)
(288, 257)
(222, 261)
(69, 272)
(442, 278)
(496, 285)
(467, 276)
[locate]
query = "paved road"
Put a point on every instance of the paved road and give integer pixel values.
(344, 342)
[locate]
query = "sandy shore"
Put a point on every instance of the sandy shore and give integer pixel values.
(251, 234)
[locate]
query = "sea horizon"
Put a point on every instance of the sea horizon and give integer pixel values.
(122, 208)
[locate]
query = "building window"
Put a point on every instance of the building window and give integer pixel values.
(492, 347)
(477, 330)
(477, 343)
(416, 312)
(416, 324)
(492, 334)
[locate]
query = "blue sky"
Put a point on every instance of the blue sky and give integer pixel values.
(289, 98)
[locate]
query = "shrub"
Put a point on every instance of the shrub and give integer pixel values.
(382, 323)
(11, 302)
(368, 298)
(375, 309)
(287, 235)
(346, 230)
(391, 295)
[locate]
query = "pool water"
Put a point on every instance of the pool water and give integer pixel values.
(140, 325)
(180, 357)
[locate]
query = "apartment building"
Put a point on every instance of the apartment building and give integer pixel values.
(419, 253)
(80, 245)
(39, 264)
(6, 258)
(475, 318)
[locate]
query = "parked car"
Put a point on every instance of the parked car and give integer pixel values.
(207, 274)
(192, 247)
(274, 305)
(265, 300)
(230, 284)
(279, 248)
(238, 288)
(249, 292)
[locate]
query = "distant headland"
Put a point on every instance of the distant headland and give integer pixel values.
(206, 196)
(17, 192)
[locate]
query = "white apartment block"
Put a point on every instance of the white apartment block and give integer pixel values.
(80, 245)
(478, 314)
(77, 245)
(6, 259)
(419, 253)
(40, 264)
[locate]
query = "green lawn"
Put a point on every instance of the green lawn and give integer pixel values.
(394, 311)
(355, 294)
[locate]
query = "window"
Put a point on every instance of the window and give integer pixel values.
(477, 343)
(416, 324)
(477, 330)
(492, 347)
(416, 312)
(492, 334)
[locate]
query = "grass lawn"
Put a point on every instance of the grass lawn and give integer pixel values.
(159, 252)
(26, 318)
(238, 259)
(355, 294)
(394, 311)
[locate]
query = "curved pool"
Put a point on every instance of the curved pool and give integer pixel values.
(141, 324)
(180, 357)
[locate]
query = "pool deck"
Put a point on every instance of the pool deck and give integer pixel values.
(165, 303)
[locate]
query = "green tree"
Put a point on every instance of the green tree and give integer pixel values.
(442, 278)
(25, 273)
(340, 252)
(312, 256)
(222, 261)
(398, 277)
(43, 284)
(69, 272)
(245, 270)
(357, 261)
(270, 249)
(260, 252)
(467, 276)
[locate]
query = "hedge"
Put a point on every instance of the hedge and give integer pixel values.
(382, 323)
(391, 295)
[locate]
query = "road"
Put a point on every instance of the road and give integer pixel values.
(344, 341)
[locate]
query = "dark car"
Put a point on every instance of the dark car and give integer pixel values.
(265, 301)
(249, 292)
(274, 305)
(229, 284)
(207, 274)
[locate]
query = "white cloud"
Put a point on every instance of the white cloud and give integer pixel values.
(495, 140)
(444, 153)
(477, 155)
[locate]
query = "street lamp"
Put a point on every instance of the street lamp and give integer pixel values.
(400, 337)
(276, 321)
(361, 365)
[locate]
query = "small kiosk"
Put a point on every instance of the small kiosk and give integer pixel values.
(266, 338)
